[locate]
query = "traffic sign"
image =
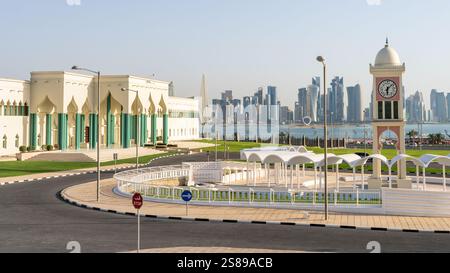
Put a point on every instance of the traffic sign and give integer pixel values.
(186, 196)
(138, 201)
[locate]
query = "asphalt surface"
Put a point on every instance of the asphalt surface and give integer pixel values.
(34, 219)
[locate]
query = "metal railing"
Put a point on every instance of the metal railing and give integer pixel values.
(142, 181)
(256, 196)
(148, 175)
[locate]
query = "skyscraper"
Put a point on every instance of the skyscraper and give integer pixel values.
(247, 101)
(204, 92)
(448, 106)
(285, 115)
(415, 108)
(438, 106)
(258, 97)
(308, 103)
(354, 108)
(336, 100)
(313, 97)
(273, 97)
(303, 108)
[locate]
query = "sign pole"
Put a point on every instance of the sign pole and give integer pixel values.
(139, 231)
(138, 201)
(187, 197)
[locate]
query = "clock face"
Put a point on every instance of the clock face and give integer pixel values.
(387, 89)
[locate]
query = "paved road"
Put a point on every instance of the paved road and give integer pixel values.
(33, 219)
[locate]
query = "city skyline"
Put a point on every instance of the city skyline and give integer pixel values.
(260, 53)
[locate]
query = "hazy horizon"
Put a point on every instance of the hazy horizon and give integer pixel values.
(239, 45)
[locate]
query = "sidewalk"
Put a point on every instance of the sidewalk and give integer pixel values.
(85, 195)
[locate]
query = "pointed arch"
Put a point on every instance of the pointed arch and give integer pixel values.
(46, 106)
(72, 107)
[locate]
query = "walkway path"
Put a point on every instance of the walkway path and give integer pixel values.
(85, 194)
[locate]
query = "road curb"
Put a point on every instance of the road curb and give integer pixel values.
(83, 173)
(232, 221)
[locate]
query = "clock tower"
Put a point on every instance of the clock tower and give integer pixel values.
(387, 114)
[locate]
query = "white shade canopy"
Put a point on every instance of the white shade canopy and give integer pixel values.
(416, 161)
(299, 156)
(442, 160)
(350, 159)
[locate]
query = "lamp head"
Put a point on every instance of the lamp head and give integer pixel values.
(123, 89)
(74, 67)
(320, 59)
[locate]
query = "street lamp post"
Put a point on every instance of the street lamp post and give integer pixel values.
(321, 59)
(332, 130)
(98, 124)
(137, 124)
(365, 134)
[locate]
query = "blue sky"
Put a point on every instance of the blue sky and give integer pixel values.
(238, 44)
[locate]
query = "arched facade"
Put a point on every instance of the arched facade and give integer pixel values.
(60, 109)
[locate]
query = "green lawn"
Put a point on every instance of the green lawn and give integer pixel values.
(387, 153)
(18, 168)
(238, 146)
(233, 145)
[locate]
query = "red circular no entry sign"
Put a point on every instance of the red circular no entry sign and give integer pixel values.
(138, 201)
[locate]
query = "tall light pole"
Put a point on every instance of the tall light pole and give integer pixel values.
(137, 124)
(365, 133)
(332, 130)
(321, 59)
(98, 123)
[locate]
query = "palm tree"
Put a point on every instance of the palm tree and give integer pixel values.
(412, 134)
(436, 138)
(432, 138)
(439, 138)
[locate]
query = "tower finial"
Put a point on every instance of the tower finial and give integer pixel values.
(387, 41)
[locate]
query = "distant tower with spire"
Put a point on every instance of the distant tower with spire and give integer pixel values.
(204, 93)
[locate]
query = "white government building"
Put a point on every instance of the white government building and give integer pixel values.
(59, 109)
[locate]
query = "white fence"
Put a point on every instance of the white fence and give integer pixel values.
(255, 196)
(141, 180)
(149, 175)
(416, 203)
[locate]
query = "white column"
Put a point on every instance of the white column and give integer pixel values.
(246, 172)
(337, 176)
(260, 171)
(286, 173)
(417, 177)
(254, 174)
(292, 176)
(424, 179)
(389, 177)
(315, 178)
(444, 177)
(304, 170)
(320, 178)
(362, 177)
(298, 176)
(354, 178)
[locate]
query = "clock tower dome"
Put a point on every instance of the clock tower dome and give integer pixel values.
(387, 114)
